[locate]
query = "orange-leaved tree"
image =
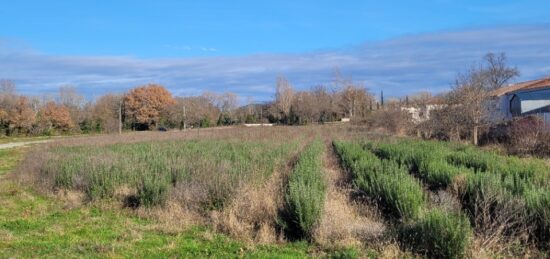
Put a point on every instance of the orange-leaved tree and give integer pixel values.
(146, 104)
(56, 116)
(21, 117)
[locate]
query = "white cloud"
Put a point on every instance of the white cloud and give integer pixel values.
(399, 66)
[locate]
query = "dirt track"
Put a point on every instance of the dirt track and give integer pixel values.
(21, 144)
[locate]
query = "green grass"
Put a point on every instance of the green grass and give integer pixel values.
(306, 191)
(9, 158)
(34, 226)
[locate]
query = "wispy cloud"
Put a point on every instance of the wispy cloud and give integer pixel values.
(189, 48)
(398, 66)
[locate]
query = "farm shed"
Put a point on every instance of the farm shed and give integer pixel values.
(525, 98)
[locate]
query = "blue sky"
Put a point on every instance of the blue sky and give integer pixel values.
(241, 46)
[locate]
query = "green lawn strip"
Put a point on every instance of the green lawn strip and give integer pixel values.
(33, 226)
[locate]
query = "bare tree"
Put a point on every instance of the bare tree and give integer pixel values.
(69, 97)
(106, 112)
(497, 72)
(7, 87)
(472, 90)
(354, 98)
(228, 102)
(284, 95)
(7, 94)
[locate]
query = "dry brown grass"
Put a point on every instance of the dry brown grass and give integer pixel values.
(252, 215)
(345, 223)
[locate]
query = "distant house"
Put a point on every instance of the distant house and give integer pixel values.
(420, 114)
(525, 98)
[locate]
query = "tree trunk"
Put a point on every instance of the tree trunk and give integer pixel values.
(475, 135)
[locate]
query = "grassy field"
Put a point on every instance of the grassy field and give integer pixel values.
(262, 193)
(57, 216)
(35, 225)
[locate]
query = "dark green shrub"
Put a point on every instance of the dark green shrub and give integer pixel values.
(152, 191)
(99, 186)
(384, 181)
(394, 189)
(305, 195)
(438, 234)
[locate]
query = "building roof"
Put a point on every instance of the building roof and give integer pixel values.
(535, 95)
(522, 86)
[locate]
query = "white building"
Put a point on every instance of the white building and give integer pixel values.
(420, 114)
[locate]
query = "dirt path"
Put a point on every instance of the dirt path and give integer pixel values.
(344, 222)
(21, 144)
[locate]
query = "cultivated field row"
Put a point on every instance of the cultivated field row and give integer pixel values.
(444, 194)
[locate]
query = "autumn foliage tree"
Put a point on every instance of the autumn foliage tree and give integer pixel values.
(56, 116)
(144, 105)
(21, 116)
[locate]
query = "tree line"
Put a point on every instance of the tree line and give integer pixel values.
(152, 106)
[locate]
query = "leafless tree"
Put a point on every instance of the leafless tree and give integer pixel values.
(106, 112)
(353, 96)
(472, 90)
(497, 72)
(284, 94)
(228, 102)
(69, 97)
(7, 94)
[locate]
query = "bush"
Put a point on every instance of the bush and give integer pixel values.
(399, 194)
(426, 159)
(524, 134)
(438, 235)
(538, 206)
(387, 183)
(152, 191)
(305, 194)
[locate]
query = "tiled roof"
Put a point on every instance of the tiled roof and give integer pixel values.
(529, 85)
